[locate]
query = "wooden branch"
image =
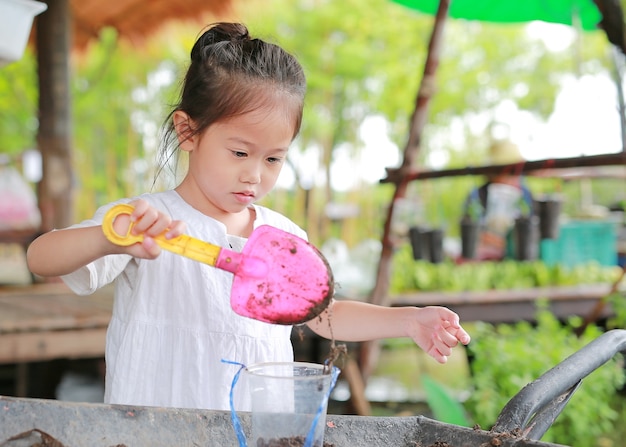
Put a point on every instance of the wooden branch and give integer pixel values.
(395, 175)
(418, 121)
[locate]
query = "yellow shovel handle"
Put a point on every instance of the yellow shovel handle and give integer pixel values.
(183, 245)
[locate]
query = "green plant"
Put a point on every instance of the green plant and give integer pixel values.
(474, 210)
(409, 275)
(507, 357)
(617, 301)
(524, 207)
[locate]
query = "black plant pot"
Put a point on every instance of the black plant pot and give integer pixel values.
(435, 245)
(470, 232)
(549, 212)
(526, 238)
(418, 244)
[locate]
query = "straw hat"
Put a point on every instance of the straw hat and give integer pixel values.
(504, 152)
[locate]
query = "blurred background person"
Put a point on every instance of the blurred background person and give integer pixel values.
(499, 201)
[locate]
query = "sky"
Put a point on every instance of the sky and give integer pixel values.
(585, 121)
(349, 170)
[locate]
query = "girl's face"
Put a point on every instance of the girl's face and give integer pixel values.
(236, 162)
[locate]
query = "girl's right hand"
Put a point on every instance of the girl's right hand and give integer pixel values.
(150, 222)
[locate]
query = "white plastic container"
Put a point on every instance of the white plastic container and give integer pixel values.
(16, 20)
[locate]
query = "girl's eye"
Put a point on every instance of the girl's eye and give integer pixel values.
(274, 160)
(239, 154)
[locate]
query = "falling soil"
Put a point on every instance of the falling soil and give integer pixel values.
(294, 441)
(336, 351)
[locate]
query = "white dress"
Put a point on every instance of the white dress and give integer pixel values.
(172, 324)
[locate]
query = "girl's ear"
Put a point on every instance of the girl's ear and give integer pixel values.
(184, 127)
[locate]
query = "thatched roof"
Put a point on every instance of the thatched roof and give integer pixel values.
(136, 19)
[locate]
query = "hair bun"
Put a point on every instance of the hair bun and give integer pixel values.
(228, 32)
(219, 32)
(224, 32)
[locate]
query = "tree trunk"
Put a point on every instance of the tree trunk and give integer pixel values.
(54, 136)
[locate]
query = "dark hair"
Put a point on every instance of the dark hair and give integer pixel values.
(231, 74)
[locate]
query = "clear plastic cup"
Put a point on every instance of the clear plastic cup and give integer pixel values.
(289, 401)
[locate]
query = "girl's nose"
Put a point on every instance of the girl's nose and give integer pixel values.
(251, 174)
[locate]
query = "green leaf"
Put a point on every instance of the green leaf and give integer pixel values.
(444, 407)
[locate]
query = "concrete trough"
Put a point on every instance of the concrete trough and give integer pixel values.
(72, 424)
(523, 421)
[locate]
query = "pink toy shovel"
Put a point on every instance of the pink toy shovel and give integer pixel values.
(278, 277)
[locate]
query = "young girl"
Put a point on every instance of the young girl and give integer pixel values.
(240, 109)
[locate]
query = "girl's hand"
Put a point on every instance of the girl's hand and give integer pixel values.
(437, 330)
(150, 222)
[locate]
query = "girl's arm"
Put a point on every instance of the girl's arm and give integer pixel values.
(435, 329)
(62, 252)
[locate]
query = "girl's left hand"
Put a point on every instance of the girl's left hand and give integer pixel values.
(437, 330)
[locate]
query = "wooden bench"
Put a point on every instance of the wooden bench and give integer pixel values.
(43, 322)
(23, 238)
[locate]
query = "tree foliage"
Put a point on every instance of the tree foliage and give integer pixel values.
(361, 59)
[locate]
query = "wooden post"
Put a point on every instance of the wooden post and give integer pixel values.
(55, 130)
(369, 350)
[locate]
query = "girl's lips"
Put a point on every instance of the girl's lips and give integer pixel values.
(244, 197)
